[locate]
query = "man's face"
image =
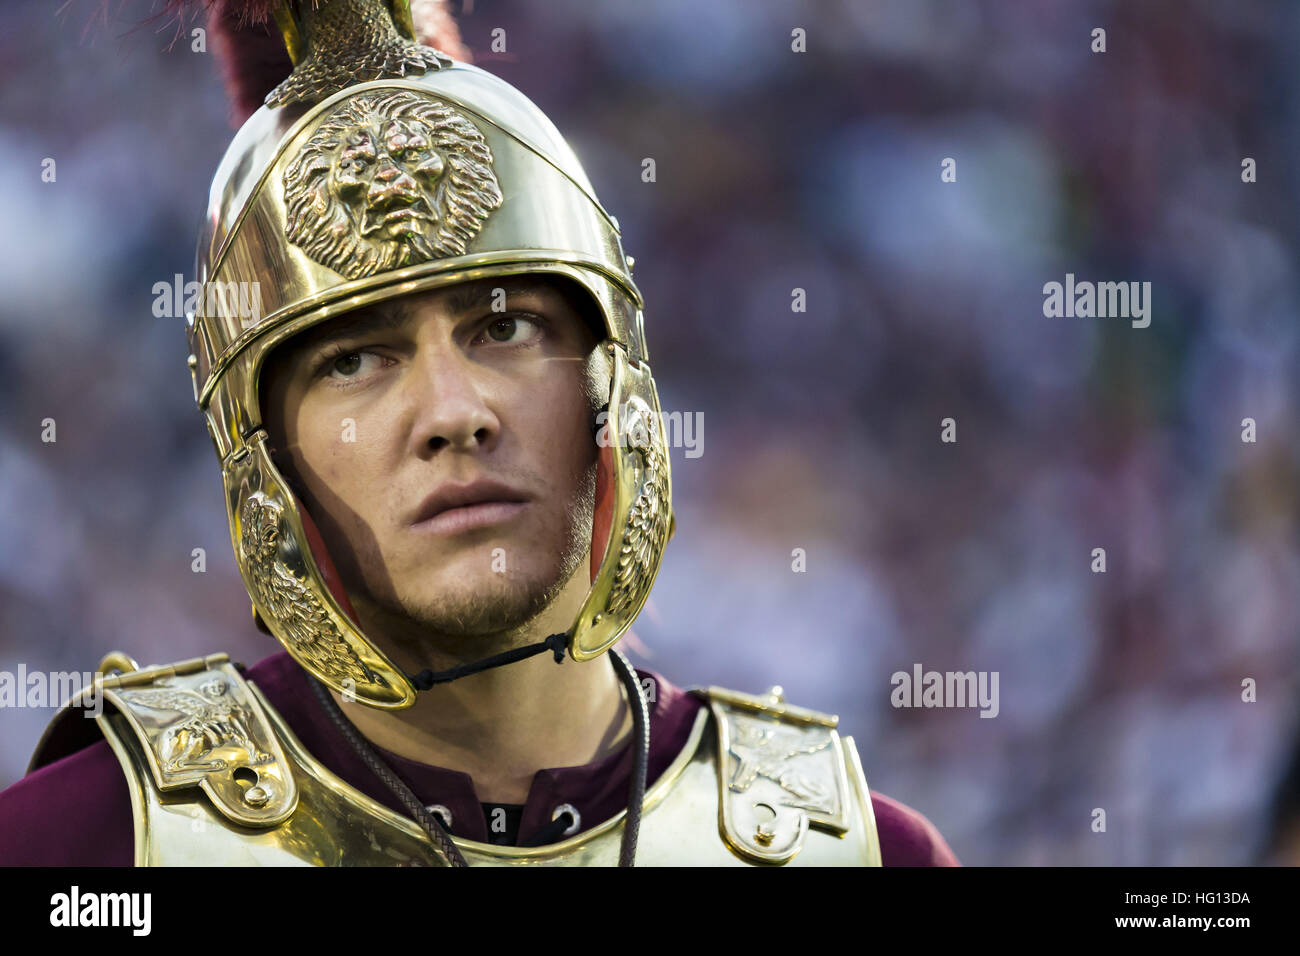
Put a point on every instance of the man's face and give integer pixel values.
(374, 412)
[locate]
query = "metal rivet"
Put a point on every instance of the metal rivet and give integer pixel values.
(777, 693)
(256, 796)
(598, 618)
(193, 361)
(438, 810)
(764, 832)
(568, 808)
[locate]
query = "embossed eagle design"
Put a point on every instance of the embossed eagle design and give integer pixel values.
(212, 732)
(766, 751)
(389, 179)
(646, 532)
(298, 612)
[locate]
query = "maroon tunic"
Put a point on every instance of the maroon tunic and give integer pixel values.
(76, 811)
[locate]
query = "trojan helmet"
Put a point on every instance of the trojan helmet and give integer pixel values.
(500, 194)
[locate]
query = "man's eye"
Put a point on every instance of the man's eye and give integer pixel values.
(512, 329)
(347, 365)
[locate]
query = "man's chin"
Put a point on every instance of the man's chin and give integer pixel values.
(502, 605)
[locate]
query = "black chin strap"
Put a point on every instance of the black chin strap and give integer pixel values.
(426, 679)
(556, 643)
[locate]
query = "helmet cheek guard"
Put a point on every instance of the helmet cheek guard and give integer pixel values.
(489, 188)
(633, 514)
(296, 590)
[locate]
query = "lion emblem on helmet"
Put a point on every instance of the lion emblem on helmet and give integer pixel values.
(389, 179)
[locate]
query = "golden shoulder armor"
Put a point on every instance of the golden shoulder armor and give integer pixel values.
(217, 778)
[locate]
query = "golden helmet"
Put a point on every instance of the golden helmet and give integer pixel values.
(485, 186)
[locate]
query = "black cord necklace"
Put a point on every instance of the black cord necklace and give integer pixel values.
(429, 821)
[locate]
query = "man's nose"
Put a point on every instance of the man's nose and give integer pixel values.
(451, 410)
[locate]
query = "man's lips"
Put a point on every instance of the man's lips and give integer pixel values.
(469, 517)
(459, 507)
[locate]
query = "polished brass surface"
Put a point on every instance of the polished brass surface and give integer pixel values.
(183, 829)
(773, 704)
(333, 824)
(554, 221)
(292, 36)
(778, 775)
(288, 592)
(382, 189)
(342, 42)
(201, 727)
(864, 812)
(117, 661)
(139, 676)
(389, 179)
(646, 529)
(642, 499)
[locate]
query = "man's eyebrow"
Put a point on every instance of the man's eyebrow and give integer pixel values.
(392, 315)
(470, 298)
(396, 313)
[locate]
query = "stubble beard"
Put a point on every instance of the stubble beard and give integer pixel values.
(472, 623)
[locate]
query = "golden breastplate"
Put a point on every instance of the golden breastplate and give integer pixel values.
(217, 778)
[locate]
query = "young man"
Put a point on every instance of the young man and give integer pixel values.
(449, 496)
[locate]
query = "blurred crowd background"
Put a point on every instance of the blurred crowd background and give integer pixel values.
(779, 170)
